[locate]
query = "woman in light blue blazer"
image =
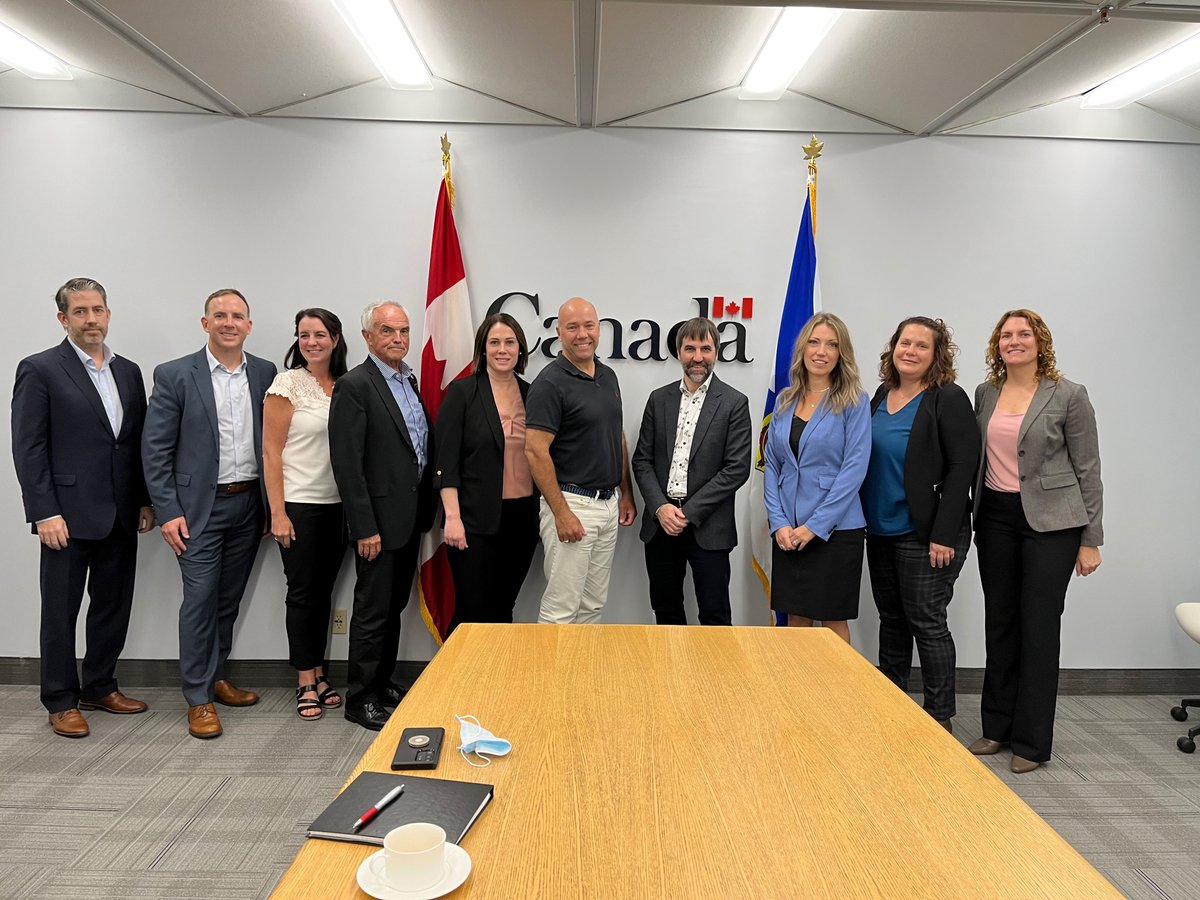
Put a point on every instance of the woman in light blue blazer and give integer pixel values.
(816, 453)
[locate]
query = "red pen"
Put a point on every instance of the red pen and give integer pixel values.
(369, 816)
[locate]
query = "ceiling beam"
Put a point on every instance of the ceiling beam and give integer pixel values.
(136, 39)
(587, 55)
(1160, 12)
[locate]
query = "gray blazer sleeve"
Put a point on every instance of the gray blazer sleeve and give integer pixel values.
(1083, 447)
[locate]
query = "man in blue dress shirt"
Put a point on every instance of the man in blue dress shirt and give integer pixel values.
(380, 445)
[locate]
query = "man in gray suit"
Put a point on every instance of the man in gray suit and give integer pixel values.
(202, 455)
(693, 453)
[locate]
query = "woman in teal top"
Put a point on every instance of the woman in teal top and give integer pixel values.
(916, 500)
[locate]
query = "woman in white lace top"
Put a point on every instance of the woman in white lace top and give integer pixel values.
(306, 510)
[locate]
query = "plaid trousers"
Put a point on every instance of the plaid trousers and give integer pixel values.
(912, 597)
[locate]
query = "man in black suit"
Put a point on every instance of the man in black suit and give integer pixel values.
(380, 445)
(77, 414)
(693, 453)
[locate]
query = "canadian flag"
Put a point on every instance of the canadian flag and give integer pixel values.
(449, 333)
(722, 309)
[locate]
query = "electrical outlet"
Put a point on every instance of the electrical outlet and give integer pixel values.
(339, 621)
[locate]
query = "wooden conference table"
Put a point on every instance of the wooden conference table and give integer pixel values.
(695, 762)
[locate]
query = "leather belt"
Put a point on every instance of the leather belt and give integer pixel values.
(594, 494)
(678, 501)
(237, 487)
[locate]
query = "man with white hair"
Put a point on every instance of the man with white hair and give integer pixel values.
(380, 445)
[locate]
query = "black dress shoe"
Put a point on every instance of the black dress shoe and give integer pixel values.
(392, 695)
(369, 715)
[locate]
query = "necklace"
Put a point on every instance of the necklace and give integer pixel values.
(813, 405)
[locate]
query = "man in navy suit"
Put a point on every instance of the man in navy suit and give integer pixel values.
(693, 453)
(202, 452)
(77, 414)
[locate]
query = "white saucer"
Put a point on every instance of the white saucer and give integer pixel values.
(458, 867)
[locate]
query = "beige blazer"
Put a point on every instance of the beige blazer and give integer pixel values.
(1058, 458)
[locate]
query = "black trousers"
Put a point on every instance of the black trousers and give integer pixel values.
(488, 574)
(380, 595)
(311, 565)
(107, 568)
(667, 559)
(912, 597)
(1025, 574)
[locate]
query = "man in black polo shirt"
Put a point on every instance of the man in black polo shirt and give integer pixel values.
(577, 454)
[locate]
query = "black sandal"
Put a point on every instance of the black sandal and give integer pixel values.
(304, 704)
(329, 698)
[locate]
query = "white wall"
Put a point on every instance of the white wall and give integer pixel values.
(1098, 236)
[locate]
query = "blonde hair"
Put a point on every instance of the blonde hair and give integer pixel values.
(1046, 363)
(845, 389)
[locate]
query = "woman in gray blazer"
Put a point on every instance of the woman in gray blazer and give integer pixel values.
(1038, 508)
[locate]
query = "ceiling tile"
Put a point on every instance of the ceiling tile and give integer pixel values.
(83, 91)
(1066, 119)
(656, 54)
(445, 103)
(259, 54)
(1180, 101)
(521, 51)
(792, 112)
(84, 43)
(1103, 52)
(909, 68)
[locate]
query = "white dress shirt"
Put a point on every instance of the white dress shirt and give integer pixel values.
(106, 385)
(235, 421)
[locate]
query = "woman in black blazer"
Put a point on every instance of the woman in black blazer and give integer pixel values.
(488, 495)
(916, 498)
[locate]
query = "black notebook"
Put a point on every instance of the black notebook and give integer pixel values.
(454, 805)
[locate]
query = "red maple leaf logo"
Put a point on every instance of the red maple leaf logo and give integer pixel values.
(732, 308)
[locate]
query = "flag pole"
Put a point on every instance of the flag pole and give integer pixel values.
(446, 167)
(812, 152)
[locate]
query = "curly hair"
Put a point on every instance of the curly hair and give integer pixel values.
(845, 386)
(945, 352)
(1046, 363)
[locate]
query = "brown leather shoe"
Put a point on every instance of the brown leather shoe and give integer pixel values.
(1020, 765)
(203, 721)
(116, 702)
(229, 695)
(986, 747)
(69, 723)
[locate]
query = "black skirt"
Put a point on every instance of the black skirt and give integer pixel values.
(821, 581)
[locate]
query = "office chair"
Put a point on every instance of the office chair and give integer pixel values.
(1188, 615)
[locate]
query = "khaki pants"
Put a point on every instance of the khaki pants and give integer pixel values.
(577, 574)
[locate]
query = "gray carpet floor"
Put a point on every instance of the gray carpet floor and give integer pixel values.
(141, 810)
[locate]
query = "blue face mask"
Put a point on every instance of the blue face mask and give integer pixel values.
(478, 740)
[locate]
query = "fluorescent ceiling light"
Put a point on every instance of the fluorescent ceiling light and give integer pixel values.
(1145, 78)
(797, 32)
(28, 58)
(378, 28)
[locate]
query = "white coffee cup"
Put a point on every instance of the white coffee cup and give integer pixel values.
(414, 857)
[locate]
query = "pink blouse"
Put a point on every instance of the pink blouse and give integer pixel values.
(1002, 472)
(517, 480)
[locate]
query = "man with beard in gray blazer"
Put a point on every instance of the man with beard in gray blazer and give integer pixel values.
(202, 455)
(693, 453)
